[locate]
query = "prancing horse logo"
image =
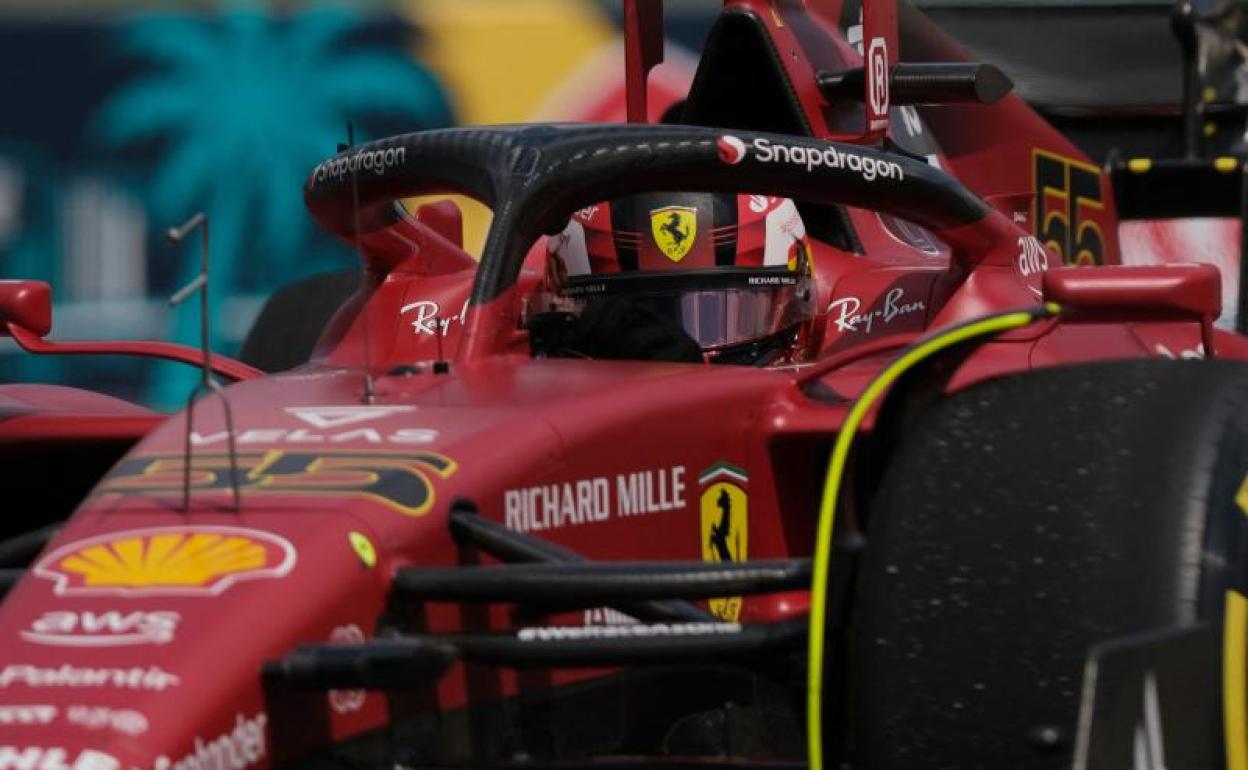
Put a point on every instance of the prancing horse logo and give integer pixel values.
(675, 228)
(725, 530)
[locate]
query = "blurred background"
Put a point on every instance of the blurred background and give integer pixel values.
(123, 118)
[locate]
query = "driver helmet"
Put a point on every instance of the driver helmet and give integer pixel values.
(732, 272)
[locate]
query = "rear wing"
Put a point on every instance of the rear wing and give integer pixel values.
(878, 84)
(1182, 188)
(1193, 185)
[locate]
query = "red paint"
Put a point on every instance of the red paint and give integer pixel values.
(228, 367)
(320, 463)
(27, 304)
(643, 49)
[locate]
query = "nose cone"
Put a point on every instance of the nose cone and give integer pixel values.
(139, 647)
(54, 756)
(80, 737)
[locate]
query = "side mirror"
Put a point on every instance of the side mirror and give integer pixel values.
(444, 218)
(1174, 290)
(27, 304)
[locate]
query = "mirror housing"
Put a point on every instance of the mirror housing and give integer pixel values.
(27, 304)
(444, 218)
(1177, 290)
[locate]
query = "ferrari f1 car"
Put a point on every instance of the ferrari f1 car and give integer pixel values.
(816, 424)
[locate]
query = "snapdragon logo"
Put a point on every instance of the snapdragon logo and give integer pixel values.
(375, 161)
(732, 151)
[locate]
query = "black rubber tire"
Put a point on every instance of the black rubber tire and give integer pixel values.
(292, 319)
(1023, 521)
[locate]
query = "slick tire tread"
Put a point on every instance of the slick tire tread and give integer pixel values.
(1022, 521)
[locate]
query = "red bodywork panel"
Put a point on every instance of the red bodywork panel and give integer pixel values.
(138, 636)
(53, 412)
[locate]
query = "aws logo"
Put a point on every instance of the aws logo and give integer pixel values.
(725, 505)
(109, 628)
(164, 561)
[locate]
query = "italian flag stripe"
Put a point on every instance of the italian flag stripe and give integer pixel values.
(726, 470)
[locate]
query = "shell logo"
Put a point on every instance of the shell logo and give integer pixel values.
(166, 561)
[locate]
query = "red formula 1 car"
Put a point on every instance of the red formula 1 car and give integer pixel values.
(774, 433)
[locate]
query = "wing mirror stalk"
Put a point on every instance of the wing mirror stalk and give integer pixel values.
(26, 316)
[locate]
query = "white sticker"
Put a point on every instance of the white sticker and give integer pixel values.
(305, 437)
(625, 631)
(239, 748)
(27, 715)
(1032, 258)
(732, 151)
(125, 721)
(586, 501)
(1185, 354)
(347, 701)
(848, 318)
(877, 82)
(426, 317)
(134, 678)
(109, 628)
(39, 758)
(336, 416)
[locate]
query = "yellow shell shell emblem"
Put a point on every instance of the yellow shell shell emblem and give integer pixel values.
(675, 228)
(167, 560)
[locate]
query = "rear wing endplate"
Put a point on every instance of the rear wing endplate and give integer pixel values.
(1183, 188)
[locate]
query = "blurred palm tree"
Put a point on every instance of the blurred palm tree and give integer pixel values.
(243, 105)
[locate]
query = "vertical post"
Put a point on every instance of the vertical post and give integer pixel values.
(186, 454)
(200, 283)
(1183, 24)
(879, 54)
(643, 49)
(368, 396)
(1241, 309)
(205, 340)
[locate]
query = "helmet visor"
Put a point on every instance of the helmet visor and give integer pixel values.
(713, 317)
(723, 318)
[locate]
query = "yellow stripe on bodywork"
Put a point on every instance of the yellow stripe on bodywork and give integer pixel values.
(1235, 680)
(836, 469)
(1241, 497)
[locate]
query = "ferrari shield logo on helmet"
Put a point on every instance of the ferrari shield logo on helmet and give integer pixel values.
(674, 229)
(725, 526)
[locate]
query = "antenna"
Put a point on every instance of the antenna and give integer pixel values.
(441, 365)
(207, 382)
(355, 215)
